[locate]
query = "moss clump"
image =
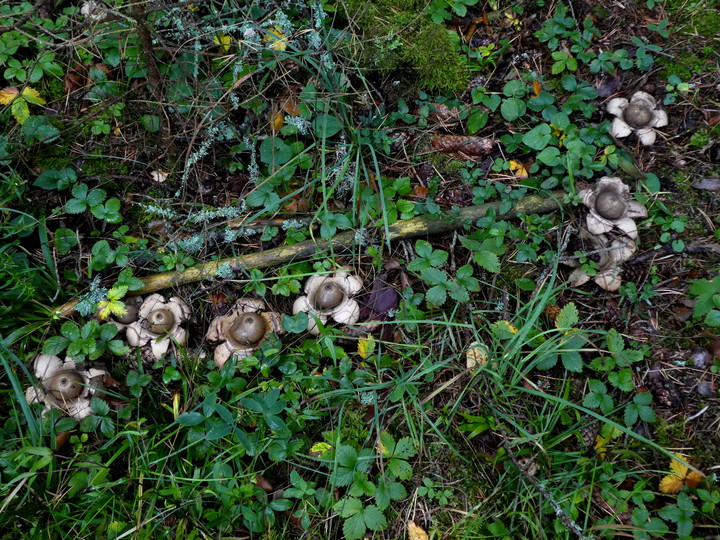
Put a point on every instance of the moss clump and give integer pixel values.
(399, 37)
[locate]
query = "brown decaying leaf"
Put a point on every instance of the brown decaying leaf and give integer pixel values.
(416, 532)
(79, 76)
(263, 483)
(463, 145)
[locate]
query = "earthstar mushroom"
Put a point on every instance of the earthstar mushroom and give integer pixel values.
(159, 323)
(330, 297)
(64, 387)
(640, 115)
(243, 329)
(610, 207)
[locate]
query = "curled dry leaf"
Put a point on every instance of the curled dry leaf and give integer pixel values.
(462, 145)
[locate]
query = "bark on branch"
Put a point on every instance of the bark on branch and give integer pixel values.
(419, 226)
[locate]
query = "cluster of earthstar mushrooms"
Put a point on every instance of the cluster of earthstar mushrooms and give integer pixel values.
(154, 324)
(610, 226)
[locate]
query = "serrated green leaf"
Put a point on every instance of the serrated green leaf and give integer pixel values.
(348, 507)
(55, 345)
(405, 448)
(75, 206)
(487, 260)
(374, 518)
(436, 295)
(354, 527)
(568, 317)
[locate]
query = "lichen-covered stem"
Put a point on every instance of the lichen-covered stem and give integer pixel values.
(419, 226)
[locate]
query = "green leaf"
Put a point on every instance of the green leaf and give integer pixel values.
(550, 156)
(65, 240)
(20, 110)
(538, 137)
(348, 507)
(296, 324)
(354, 527)
(274, 151)
(487, 260)
(436, 295)
(75, 206)
(512, 109)
(55, 179)
(568, 317)
(151, 123)
(326, 125)
(476, 121)
(374, 518)
(37, 128)
(55, 345)
(188, 419)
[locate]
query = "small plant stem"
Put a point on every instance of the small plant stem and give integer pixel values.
(419, 226)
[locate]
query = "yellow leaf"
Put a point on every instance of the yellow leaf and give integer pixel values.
(416, 532)
(20, 110)
(320, 449)
(276, 38)
(224, 41)
(693, 479)
(671, 484)
(33, 96)
(681, 474)
(8, 94)
(110, 307)
(519, 168)
(366, 346)
(276, 121)
(676, 467)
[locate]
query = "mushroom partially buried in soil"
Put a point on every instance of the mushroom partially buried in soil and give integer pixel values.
(612, 253)
(65, 387)
(610, 207)
(243, 329)
(159, 323)
(330, 297)
(639, 115)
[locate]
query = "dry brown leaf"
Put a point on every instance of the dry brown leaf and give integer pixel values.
(416, 532)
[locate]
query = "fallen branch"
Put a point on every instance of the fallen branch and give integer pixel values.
(419, 226)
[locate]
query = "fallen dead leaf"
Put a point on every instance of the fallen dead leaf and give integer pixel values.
(680, 475)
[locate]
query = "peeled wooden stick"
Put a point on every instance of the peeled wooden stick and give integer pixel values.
(419, 226)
